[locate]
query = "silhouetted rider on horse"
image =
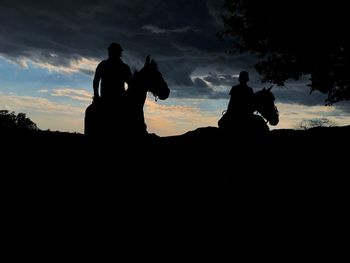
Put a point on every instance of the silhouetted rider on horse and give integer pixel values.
(116, 113)
(240, 117)
(241, 105)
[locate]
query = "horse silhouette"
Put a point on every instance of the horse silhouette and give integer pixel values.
(264, 109)
(127, 119)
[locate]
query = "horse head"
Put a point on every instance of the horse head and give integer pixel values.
(265, 105)
(150, 79)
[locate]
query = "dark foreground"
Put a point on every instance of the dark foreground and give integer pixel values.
(70, 199)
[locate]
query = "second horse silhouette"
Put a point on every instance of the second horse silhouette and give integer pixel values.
(127, 118)
(252, 124)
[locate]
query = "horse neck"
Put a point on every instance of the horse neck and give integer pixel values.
(262, 105)
(258, 104)
(138, 89)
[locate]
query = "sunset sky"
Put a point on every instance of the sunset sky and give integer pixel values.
(50, 49)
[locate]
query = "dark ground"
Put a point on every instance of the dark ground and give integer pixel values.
(65, 195)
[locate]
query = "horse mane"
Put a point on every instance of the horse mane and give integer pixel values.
(135, 72)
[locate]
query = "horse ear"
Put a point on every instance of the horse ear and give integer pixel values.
(148, 59)
(269, 89)
(153, 63)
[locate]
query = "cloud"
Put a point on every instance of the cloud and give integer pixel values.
(291, 115)
(72, 36)
(161, 119)
(174, 119)
(45, 113)
(54, 63)
(11, 101)
(343, 107)
(165, 118)
(81, 64)
(75, 94)
(158, 30)
(43, 90)
(216, 79)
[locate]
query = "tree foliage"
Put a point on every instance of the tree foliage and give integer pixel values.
(295, 38)
(9, 120)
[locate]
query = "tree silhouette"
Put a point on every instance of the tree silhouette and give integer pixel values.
(9, 120)
(295, 38)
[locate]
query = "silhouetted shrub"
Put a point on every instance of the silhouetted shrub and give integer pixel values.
(317, 122)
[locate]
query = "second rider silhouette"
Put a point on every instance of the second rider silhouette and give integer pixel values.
(241, 105)
(241, 101)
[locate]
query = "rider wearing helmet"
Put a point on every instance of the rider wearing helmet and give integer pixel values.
(113, 73)
(242, 97)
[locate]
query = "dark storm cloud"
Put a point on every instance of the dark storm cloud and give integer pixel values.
(297, 92)
(173, 32)
(158, 30)
(343, 107)
(179, 34)
(86, 27)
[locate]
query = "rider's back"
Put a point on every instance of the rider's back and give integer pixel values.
(241, 102)
(114, 73)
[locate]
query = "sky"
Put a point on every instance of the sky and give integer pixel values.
(49, 51)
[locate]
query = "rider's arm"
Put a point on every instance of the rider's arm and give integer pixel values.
(96, 82)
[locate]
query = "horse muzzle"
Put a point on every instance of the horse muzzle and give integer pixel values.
(164, 93)
(274, 122)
